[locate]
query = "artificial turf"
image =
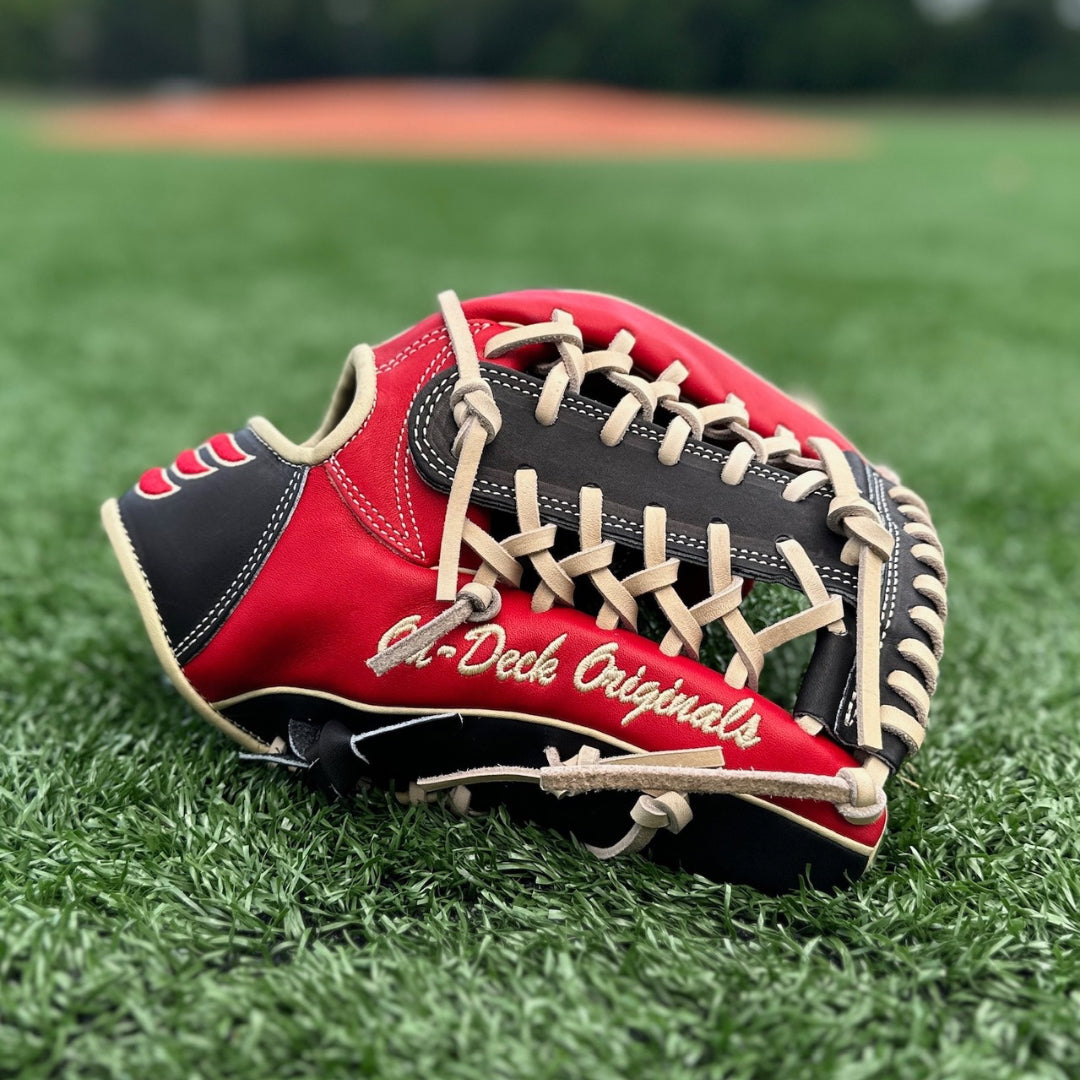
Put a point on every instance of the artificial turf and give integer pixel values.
(167, 911)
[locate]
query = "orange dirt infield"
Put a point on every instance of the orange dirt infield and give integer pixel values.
(449, 120)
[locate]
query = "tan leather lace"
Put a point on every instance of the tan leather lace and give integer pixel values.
(869, 546)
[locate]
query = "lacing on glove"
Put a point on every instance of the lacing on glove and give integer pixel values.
(856, 792)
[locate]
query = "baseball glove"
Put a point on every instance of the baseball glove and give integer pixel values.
(514, 564)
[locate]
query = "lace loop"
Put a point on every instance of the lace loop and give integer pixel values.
(870, 541)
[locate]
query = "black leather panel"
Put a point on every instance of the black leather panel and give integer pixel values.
(202, 546)
(729, 839)
(569, 455)
(828, 690)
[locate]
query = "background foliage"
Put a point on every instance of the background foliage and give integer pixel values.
(1000, 47)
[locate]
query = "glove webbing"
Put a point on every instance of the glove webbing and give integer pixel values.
(479, 421)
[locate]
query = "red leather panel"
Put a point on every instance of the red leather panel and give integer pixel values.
(188, 463)
(373, 471)
(713, 373)
(331, 589)
(226, 450)
(156, 484)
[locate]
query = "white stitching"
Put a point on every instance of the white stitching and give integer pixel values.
(291, 464)
(356, 496)
(399, 358)
(426, 413)
(283, 508)
(891, 590)
(443, 354)
(706, 453)
(407, 482)
(398, 538)
(412, 349)
(474, 324)
(363, 424)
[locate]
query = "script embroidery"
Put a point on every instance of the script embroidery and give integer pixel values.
(508, 663)
(597, 672)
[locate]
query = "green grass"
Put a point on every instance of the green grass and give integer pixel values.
(167, 911)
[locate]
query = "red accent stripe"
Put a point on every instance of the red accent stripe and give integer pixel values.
(226, 450)
(188, 463)
(154, 484)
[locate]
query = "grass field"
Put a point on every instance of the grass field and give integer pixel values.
(167, 911)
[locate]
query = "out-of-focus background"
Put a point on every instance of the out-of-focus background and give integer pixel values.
(205, 203)
(925, 47)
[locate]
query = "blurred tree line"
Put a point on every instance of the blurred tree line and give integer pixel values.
(774, 46)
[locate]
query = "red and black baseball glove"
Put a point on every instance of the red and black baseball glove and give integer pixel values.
(513, 564)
